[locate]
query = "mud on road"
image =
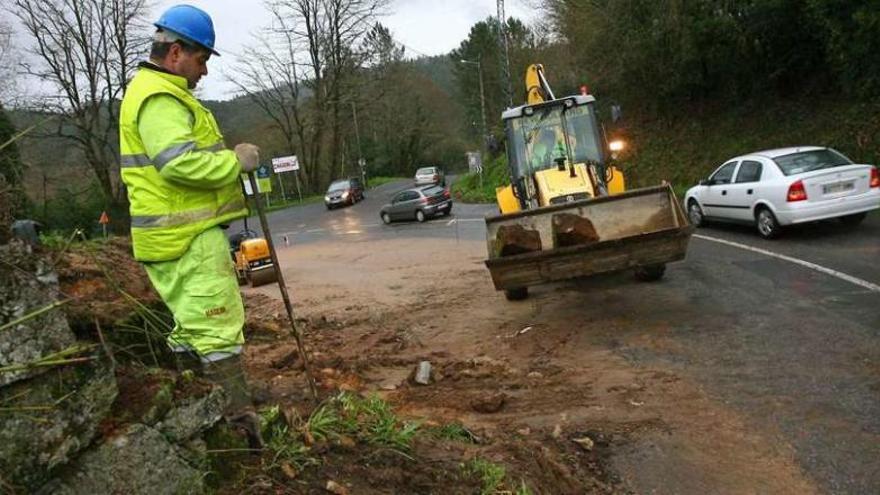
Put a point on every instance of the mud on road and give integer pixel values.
(527, 378)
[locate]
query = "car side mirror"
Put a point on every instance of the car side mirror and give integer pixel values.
(707, 182)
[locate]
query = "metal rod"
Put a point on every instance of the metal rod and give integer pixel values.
(264, 223)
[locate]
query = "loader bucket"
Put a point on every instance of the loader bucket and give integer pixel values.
(638, 228)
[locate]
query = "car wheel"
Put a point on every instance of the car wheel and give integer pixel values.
(329, 207)
(650, 273)
(516, 294)
(420, 216)
(767, 225)
(695, 213)
(386, 218)
(853, 220)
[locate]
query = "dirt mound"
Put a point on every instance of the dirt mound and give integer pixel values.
(104, 282)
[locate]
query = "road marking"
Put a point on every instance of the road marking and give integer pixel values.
(471, 219)
(370, 225)
(819, 268)
(450, 222)
(313, 231)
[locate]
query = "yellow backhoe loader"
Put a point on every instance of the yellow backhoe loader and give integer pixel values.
(566, 212)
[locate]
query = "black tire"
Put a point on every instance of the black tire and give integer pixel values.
(329, 207)
(695, 214)
(386, 218)
(420, 216)
(650, 273)
(853, 220)
(768, 226)
(516, 294)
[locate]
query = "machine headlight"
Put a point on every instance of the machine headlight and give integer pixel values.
(616, 145)
(326, 198)
(345, 195)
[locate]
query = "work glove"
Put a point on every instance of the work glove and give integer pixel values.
(248, 155)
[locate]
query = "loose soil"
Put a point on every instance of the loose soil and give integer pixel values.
(527, 378)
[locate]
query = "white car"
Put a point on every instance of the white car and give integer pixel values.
(429, 175)
(774, 188)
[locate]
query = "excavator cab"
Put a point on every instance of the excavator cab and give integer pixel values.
(555, 152)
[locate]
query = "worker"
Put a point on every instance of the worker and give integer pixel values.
(545, 150)
(183, 184)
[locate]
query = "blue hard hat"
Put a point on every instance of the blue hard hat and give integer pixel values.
(191, 23)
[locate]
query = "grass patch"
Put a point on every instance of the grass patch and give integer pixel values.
(455, 432)
(366, 419)
(291, 202)
(378, 181)
(493, 478)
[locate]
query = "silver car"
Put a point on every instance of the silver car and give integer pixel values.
(430, 175)
(419, 204)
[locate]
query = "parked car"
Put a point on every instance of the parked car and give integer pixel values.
(774, 188)
(430, 175)
(419, 203)
(344, 192)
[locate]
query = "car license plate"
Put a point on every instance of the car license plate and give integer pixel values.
(839, 187)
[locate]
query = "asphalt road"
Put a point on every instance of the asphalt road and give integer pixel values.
(786, 332)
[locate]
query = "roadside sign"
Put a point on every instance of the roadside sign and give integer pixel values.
(105, 219)
(475, 162)
(285, 164)
(264, 185)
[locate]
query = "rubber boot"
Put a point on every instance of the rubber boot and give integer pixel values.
(229, 374)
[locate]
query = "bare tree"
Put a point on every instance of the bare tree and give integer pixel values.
(86, 50)
(296, 74)
(8, 88)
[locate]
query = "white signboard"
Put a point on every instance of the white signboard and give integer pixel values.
(285, 164)
(475, 162)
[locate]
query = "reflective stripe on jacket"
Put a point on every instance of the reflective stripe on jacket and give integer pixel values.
(189, 185)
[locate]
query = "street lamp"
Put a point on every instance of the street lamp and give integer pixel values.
(482, 95)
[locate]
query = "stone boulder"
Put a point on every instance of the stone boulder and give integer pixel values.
(46, 420)
(27, 285)
(138, 461)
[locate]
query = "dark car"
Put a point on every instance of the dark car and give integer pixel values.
(344, 192)
(419, 204)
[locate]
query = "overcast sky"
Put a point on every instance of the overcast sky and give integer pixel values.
(425, 27)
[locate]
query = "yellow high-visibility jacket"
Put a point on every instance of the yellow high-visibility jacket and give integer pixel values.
(183, 181)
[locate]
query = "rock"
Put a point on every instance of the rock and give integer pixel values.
(515, 239)
(28, 287)
(524, 431)
(423, 373)
(586, 443)
(50, 418)
(489, 405)
(557, 431)
(388, 386)
(194, 416)
(535, 374)
(334, 487)
(139, 461)
(573, 230)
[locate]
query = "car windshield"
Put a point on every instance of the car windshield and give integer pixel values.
(425, 171)
(807, 161)
(339, 185)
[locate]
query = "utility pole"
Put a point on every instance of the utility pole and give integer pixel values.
(479, 65)
(357, 136)
(505, 53)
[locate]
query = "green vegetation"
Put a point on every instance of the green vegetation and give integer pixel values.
(378, 181)
(492, 477)
(495, 174)
(453, 431)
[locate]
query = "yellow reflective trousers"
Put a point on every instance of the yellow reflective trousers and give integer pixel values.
(202, 292)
